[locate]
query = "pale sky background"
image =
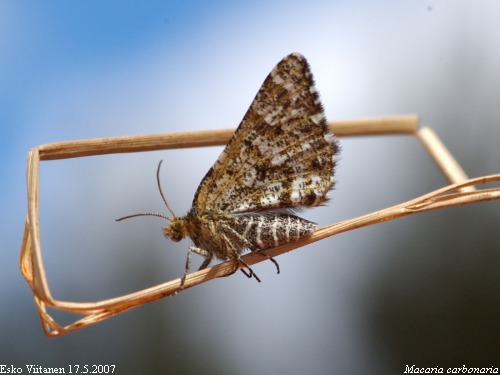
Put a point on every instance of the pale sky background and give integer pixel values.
(421, 290)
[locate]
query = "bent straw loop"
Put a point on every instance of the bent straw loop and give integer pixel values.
(437, 199)
(31, 263)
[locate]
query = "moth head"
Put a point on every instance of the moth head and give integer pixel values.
(177, 229)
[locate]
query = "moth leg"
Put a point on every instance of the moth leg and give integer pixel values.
(250, 273)
(236, 266)
(238, 259)
(186, 268)
(204, 253)
(197, 250)
(206, 262)
(259, 251)
(253, 249)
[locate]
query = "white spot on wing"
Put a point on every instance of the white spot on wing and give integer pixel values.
(277, 79)
(318, 118)
(270, 200)
(250, 176)
(279, 159)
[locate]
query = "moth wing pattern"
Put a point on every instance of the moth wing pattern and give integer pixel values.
(281, 156)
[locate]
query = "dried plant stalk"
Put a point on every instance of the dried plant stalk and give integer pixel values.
(461, 192)
(407, 124)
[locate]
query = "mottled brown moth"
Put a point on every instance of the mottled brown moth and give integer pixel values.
(280, 159)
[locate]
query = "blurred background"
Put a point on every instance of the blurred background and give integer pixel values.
(422, 290)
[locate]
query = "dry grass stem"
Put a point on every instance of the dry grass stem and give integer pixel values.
(407, 124)
(461, 191)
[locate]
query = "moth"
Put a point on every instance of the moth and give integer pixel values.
(280, 159)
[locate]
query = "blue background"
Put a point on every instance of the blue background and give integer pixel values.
(420, 290)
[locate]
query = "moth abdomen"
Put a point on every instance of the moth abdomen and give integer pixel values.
(272, 229)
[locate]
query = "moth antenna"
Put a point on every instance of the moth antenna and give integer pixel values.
(153, 213)
(161, 192)
(144, 214)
